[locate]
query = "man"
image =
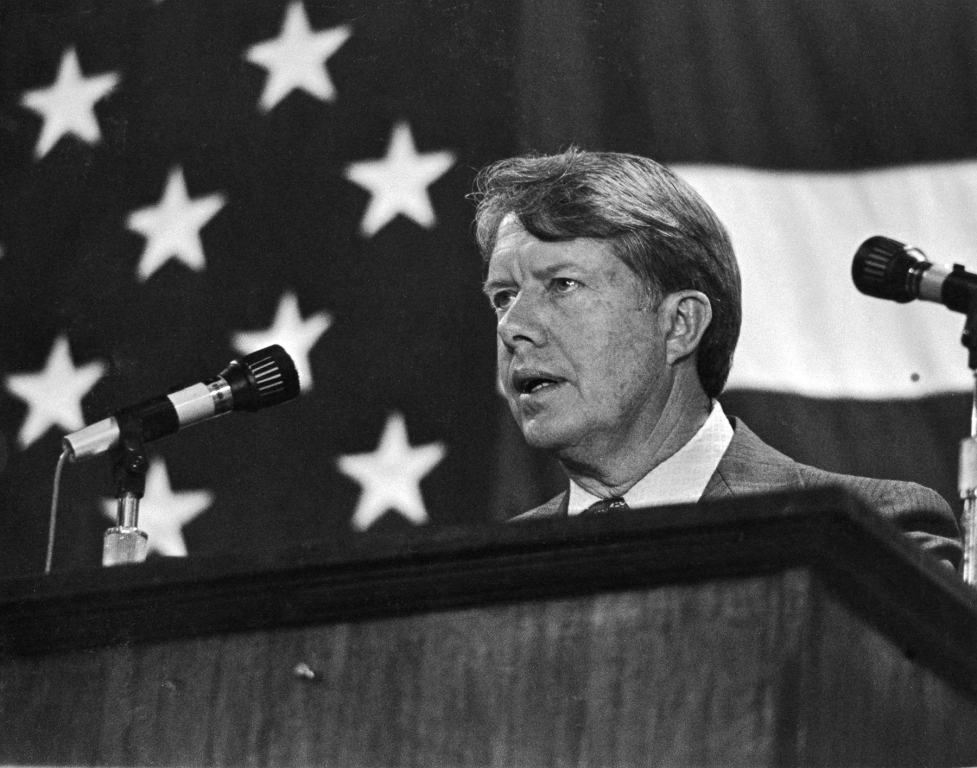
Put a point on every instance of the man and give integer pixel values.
(618, 302)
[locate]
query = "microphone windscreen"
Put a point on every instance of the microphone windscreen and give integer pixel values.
(262, 379)
(883, 268)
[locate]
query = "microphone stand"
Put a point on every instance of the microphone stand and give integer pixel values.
(125, 543)
(968, 456)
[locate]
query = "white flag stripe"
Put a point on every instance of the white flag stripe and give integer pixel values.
(806, 329)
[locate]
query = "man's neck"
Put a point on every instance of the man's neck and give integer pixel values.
(606, 473)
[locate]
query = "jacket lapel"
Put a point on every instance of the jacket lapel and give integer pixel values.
(558, 506)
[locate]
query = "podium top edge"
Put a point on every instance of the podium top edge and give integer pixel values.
(825, 531)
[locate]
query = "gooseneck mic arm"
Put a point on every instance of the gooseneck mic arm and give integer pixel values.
(888, 269)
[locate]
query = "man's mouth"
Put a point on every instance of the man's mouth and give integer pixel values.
(531, 384)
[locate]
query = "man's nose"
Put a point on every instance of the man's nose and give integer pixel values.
(522, 322)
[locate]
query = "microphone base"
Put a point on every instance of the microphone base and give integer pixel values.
(124, 545)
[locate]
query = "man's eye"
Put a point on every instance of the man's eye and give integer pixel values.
(565, 284)
(502, 299)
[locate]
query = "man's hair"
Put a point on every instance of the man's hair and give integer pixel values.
(657, 224)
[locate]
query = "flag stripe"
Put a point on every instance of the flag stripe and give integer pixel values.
(915, 440)
(806, 329)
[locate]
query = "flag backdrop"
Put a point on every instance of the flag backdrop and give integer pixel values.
(184, 181)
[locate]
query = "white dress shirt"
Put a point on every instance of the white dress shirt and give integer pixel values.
(681, 478)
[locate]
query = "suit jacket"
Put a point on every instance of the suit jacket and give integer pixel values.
(750, 467)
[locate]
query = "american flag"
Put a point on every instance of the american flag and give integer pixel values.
(184, 181)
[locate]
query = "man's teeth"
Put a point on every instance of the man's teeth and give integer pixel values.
(537, 385)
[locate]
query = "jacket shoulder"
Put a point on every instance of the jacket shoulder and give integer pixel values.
(920, 513)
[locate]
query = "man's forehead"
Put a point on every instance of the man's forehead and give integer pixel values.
(511, 234)
(514, 244)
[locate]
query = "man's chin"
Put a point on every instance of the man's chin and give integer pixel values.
(546, 436)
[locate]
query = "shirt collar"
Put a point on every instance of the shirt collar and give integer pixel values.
(681, 478)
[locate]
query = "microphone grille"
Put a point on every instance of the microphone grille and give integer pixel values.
(884, 268)
(272, 378)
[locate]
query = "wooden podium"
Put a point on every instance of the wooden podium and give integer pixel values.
(793, 630)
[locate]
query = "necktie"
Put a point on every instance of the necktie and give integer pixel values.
(613, 504)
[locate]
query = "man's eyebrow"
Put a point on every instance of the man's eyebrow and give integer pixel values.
(489, 286)
(551, 269)
(542, 272)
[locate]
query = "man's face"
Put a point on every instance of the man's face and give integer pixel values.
(581, 351)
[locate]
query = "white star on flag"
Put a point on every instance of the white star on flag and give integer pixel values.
(163, 512)
(297, 58)
(68, 105)
(391, 475)
(172, 228)
(54, 394)
(295, 335)
(398, 183)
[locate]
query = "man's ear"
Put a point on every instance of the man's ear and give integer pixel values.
(687, 314)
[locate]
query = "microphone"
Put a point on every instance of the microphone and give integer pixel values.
(888, 269)
(263, 378)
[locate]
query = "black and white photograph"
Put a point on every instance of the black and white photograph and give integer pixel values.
(473, 383)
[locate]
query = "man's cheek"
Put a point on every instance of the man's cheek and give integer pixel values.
(500, 384)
